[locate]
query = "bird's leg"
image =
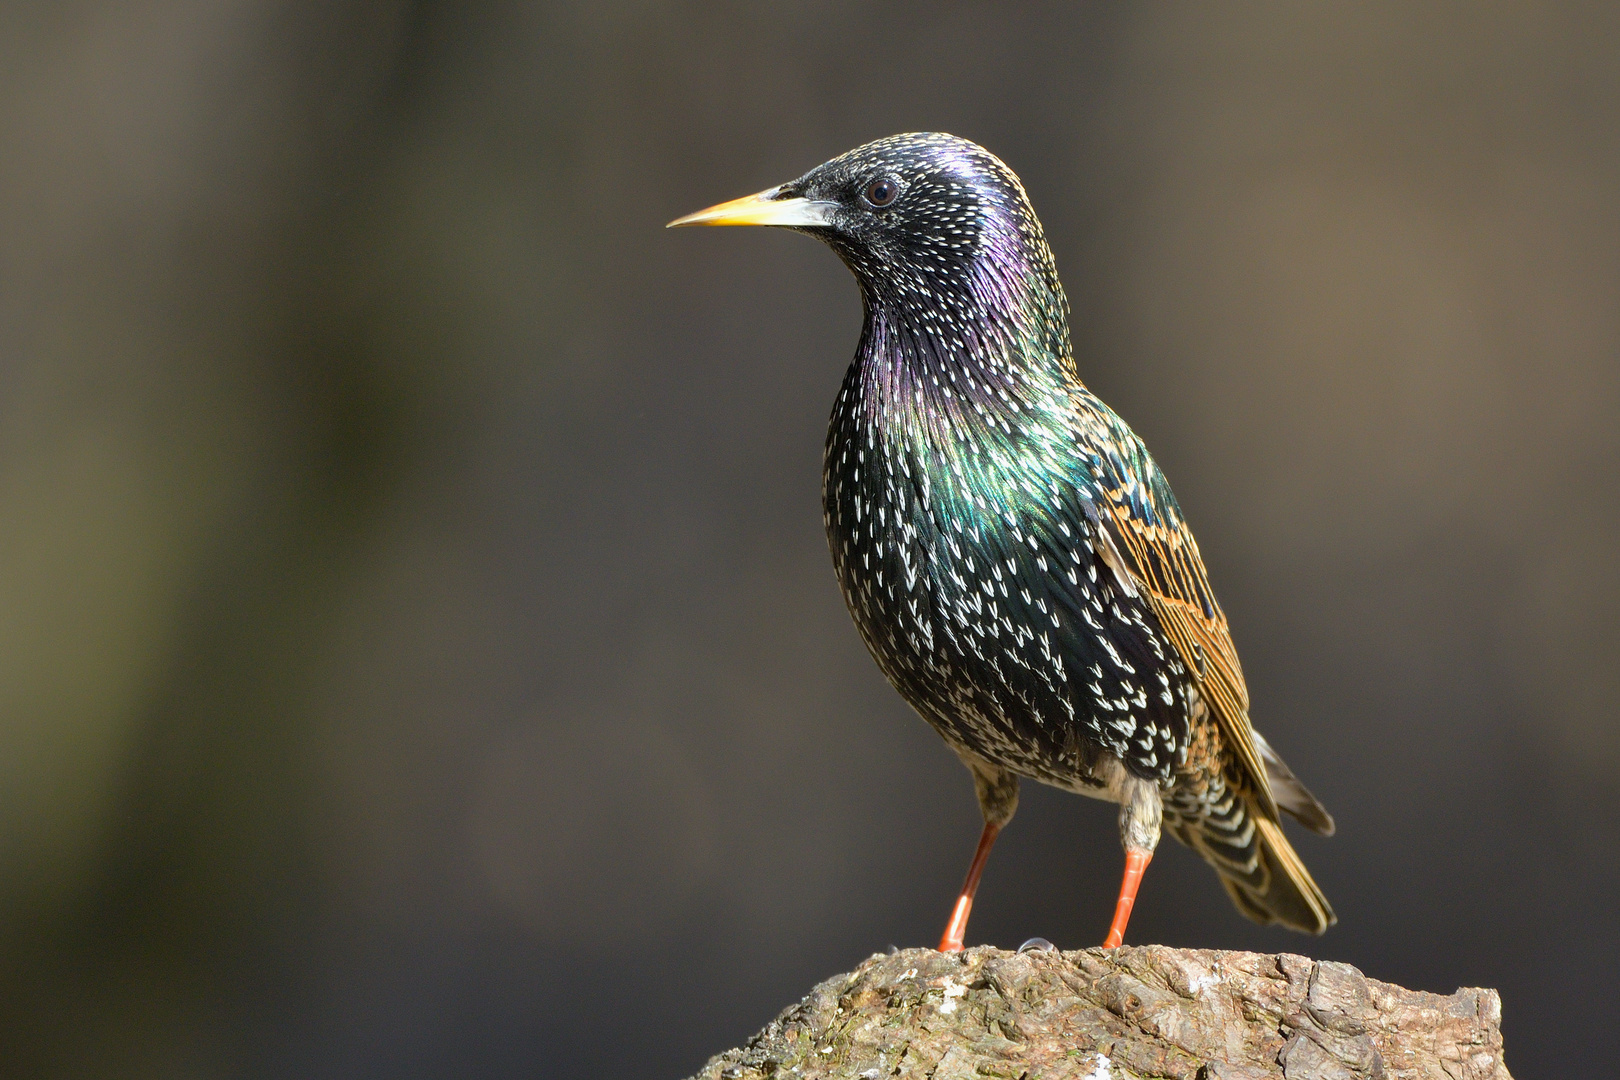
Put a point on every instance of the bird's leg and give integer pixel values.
(1140, 812)
(997, 790)
(956, 929)
(1135, 863)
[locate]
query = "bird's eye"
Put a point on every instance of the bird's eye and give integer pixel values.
(881, 192)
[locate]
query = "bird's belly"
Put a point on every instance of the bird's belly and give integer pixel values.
(1019, 650)
(928, 637)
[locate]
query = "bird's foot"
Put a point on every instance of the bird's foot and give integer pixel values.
(956, 929)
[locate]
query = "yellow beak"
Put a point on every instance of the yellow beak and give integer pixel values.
(765, 208)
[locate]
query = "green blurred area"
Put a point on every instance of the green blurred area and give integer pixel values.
(410, 565)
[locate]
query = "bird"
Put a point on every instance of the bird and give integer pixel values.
(1011, 554)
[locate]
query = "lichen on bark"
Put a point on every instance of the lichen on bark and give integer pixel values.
(1144, 1012)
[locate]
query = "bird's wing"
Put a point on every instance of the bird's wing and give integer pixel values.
(1157, 553)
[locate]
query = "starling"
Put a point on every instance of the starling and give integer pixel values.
(1010, 552)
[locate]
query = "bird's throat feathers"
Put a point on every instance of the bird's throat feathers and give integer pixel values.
(972, 352)
(964, 380)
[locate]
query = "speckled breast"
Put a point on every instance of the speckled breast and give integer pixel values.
(988, 605)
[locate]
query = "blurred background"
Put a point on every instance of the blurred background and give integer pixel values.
(419, 655)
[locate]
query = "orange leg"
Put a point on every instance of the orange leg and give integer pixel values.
(956, 929)
(1135, 863)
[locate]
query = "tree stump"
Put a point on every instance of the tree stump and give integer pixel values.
(1150, 1011)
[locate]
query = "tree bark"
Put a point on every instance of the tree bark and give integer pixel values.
(1150, 1011)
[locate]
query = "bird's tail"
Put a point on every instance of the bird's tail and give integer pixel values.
(1258, 866)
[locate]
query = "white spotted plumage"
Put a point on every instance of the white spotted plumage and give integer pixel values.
(1012, 556)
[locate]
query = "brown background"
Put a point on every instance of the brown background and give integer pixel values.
(418, 651)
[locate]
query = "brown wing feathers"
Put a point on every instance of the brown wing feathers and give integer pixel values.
(1166, 563)
(1274, 886)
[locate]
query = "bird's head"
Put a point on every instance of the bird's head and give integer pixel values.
(918, 218)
